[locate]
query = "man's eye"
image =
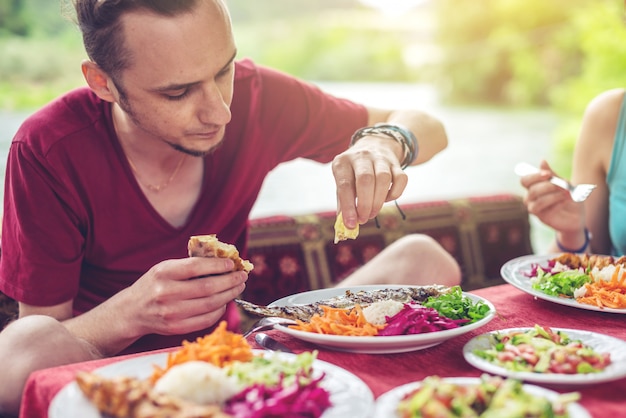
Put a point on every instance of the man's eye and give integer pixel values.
(177, 96)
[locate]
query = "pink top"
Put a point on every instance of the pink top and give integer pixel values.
(76, 223)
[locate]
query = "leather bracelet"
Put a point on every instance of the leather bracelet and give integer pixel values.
(409, 137)
(395, 132)
(578, 250)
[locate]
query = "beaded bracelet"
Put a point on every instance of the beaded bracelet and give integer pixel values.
(578, 250)
(396, 132)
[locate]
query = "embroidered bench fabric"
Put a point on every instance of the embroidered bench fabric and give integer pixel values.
(296, 254)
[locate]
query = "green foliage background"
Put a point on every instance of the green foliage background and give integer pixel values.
(322, 40)
(602, 38)
(556, 54)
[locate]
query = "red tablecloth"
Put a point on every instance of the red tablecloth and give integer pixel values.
(384, 372)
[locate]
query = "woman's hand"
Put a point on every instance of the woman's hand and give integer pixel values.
(552, 204)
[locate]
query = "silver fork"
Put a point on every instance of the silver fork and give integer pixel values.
(266, 323)
(579, 193)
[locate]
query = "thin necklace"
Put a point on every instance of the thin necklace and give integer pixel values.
(158, 187)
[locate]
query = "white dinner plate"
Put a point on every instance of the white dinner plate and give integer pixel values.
(599, 342)
(377, 344)
(516, 272)
(387, 403)
(350, 396)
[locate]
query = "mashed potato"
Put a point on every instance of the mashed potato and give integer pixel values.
(375, 313)
(199, 382)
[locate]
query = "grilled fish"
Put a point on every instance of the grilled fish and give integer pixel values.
(347, 300)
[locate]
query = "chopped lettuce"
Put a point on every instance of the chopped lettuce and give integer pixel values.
(271, 370)
(456, 305)
(562, 283)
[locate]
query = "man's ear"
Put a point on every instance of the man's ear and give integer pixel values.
(97, 80)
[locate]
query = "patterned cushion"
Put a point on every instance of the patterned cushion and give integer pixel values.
(295, 254)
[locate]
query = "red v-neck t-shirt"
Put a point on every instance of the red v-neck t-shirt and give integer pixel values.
(76, 224)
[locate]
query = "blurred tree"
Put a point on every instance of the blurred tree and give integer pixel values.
(32, 18)
(321, 40)
(507, 51)
(601, 35)
(12, 19)
(327, 52)
(245, 10)
(559, 53)
(325, 40)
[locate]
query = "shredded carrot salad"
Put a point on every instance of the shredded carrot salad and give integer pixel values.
(607, 294)
(339, 321)
(220, 348)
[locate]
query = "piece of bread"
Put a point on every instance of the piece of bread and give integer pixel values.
(210, 246)
(342, 233)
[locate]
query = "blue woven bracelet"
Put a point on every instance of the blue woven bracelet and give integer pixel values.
(398, 133)
(409, 137)
(578, 250)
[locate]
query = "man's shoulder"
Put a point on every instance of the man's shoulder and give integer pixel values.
(66, 115)
(245, 69)
(81, 100)
(250, 73)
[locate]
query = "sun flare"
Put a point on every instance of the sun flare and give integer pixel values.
(393, 7)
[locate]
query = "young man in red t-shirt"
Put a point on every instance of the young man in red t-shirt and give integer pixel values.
(173, 138)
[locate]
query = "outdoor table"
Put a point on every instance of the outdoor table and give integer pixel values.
(383, 372)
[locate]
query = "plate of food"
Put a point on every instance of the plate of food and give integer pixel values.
(216, 376)
(591, 282)
(497, 397)
(544, 355)
(379, 319)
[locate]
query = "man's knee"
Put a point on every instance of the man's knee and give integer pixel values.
(413, 244)
(426, 254)
(32, 343)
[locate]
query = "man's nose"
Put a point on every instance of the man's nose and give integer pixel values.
(213, 108)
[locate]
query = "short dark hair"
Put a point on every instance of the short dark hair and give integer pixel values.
(99, 22)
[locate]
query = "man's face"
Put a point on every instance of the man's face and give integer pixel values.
(179, 85)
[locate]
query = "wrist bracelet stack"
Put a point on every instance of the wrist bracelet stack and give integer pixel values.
(404, 136)
(578, 250)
